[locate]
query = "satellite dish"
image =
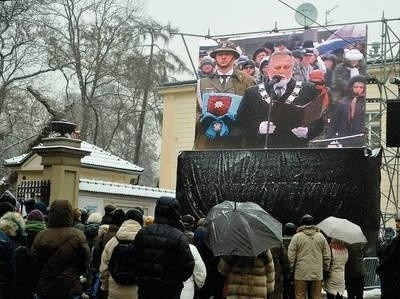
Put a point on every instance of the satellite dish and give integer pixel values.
(306, 14)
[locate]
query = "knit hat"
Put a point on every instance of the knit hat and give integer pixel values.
(248, 63)
(207, 60)
(118, 217)
(35, 215)
(226, 46)
(307, 220)
(353, 54)
(289, 229)
(188, 220)
(134, 214)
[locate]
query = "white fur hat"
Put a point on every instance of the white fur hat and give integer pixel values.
(353, 54)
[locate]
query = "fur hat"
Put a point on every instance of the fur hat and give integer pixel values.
(35, 215)
(134, 214)
(353, 54)
(12, 224)
(94, 218)
(207, 60)
(226, 46)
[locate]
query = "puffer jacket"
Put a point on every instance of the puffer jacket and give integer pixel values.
(164, 259)
(60, 254)
(309, 253)
(127, 231)
(245, 281)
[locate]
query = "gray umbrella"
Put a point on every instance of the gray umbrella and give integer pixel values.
(243, 229)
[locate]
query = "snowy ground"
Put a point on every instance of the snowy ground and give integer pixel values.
(368, 294)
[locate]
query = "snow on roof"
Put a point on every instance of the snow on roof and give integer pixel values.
(123, 189)
(98, 157)
(16, 160)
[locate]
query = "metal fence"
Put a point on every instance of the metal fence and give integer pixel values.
(38, 190)
(371, 278)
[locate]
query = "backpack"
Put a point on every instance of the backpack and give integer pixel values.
(121, 263)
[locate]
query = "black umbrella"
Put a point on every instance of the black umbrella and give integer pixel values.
(243, 229)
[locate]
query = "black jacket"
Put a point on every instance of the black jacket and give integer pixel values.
(254, 110)
(163, 257)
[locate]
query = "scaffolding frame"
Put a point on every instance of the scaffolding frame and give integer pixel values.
(385, 58)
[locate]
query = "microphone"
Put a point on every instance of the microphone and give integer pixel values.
(275, 79)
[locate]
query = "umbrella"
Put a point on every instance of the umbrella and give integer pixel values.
(243, 229)
(342, 229)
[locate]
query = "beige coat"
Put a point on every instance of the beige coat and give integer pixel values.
(309, 253)
(248, 282)
(127, 231)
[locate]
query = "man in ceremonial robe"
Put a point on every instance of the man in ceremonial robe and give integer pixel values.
(261, 128)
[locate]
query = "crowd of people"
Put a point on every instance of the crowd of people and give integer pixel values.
(339, 78)
(61, 252)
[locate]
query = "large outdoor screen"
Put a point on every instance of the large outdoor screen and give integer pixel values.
(319, 103)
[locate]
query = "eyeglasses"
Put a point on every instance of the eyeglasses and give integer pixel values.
(249, 67)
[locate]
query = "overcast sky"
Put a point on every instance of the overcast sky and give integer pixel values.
(228, 17)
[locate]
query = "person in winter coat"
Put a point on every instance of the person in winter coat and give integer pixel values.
(13, 225)
(162, 252)
(389, 270)
(34, 224)
(92, 228)
(355, 271)
(60, 255)
(352, 65)
(248, 277)
(309, 256)
(334, 284)
(349, 116)
(196, 281)
(7, 270)
(282, 270)
(128, 230)
(214, 281)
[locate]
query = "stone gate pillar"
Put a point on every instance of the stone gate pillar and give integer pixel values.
(61, 160)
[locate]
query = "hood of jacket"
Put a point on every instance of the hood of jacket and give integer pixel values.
(60, 214)
(308, 230)
(167, 210)
(128, 230)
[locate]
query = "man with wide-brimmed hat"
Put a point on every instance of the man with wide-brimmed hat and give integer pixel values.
(217, 101)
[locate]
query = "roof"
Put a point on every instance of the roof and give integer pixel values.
(98, 158)
(123, 189)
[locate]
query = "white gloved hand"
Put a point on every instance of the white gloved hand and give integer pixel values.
(300, 132)
(263, 128)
